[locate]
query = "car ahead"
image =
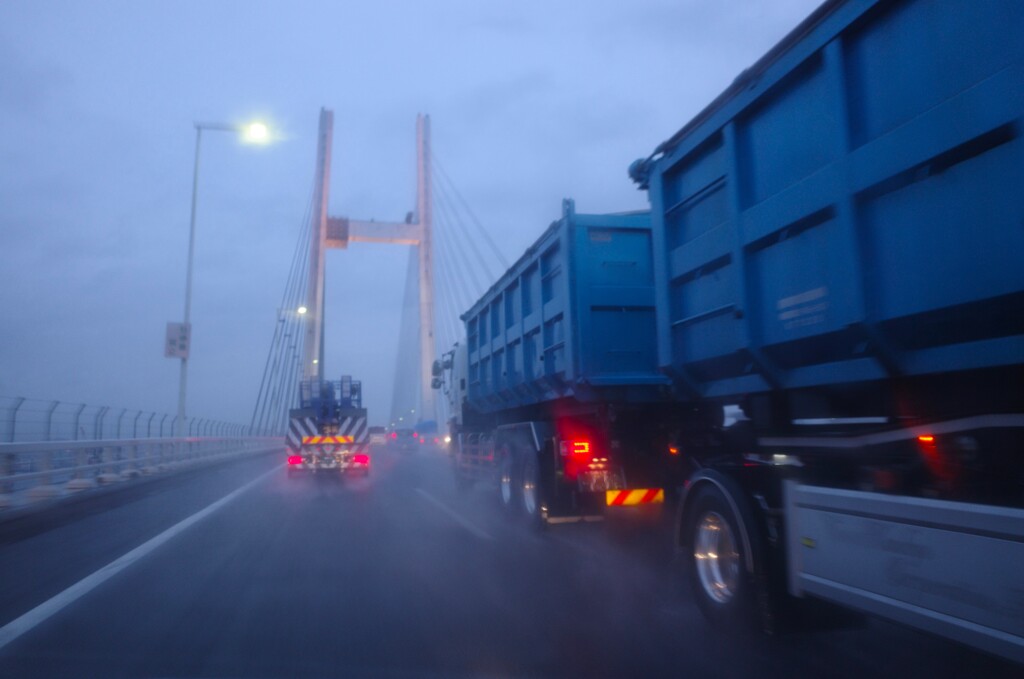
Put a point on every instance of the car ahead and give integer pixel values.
(403, 439)
(377, 436)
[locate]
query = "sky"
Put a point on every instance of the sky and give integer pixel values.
(530, 102)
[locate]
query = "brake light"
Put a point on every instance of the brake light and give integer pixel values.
(394, 434)
(672, 450)
(361, 458)
(926, 438)
(415, 435)
(578, 456)
(294, 459)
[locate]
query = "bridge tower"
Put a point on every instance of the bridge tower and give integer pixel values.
(338, 232)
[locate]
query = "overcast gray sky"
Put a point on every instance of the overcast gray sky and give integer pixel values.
(530, 102)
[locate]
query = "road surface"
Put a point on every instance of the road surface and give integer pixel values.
(239, 571)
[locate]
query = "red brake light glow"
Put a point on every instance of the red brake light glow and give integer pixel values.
(361, 458)
(673, 450)
(394, 434)
(926, 438)
(581, 447)
(294, 459)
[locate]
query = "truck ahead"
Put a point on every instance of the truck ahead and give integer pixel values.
(327, 433)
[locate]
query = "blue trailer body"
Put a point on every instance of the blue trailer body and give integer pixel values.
(836, 244)
(573, 317)
(851, 208)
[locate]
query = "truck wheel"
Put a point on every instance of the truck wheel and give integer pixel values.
(721, 585)
(532, 491)
(506, 483)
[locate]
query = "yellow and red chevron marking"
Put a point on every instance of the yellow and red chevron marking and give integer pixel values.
(637, 496)
(321, 440)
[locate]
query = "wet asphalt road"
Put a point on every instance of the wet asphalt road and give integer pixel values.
(397, 574)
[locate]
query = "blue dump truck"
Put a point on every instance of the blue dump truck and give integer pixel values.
(327, 433)
(834, 257)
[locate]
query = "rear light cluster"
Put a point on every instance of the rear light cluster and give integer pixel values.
(578, 457)
(361, 458)
(575, 448)
(294, 459)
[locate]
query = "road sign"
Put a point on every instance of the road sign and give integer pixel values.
(179, 338)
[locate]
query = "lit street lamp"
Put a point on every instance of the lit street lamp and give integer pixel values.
(253, 133)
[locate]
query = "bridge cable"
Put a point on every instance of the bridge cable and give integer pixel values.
(287, 327)
(447, 307)
(479, 262)
(446, 276)
(468, 268)
(480, 227)
(263, 415)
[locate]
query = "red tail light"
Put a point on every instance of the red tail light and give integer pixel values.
(361, 458)
(294, 459)
(926, 438)
(394, 434)
(577, 456)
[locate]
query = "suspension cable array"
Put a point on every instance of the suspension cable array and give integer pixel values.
(466, 261)
(279, 387)
(462, 271)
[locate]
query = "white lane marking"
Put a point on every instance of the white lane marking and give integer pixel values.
(455, 516)
(47, 609)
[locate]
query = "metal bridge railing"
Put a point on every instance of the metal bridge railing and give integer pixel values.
(32, 472)
(23, 420)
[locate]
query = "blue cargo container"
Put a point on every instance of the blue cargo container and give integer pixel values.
(573, 317)
(850, 209)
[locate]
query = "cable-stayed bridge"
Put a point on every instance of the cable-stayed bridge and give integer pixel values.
(451, 260)
(52, 447)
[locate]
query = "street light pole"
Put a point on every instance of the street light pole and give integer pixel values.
(183, 380)
(255, 133)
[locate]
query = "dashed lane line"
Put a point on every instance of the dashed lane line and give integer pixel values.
(51, 607)
(455, 516)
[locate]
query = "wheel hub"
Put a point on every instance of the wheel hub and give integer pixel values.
(506, 484)
(530, 495)
(716, 558)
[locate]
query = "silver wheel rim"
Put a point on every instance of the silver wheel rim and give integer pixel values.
(530, 489)
(716, 558)
(506, 483)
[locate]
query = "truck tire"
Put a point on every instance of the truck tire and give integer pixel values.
(531, 491)
(507, 488)
(715, 553)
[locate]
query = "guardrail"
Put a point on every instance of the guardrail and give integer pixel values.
(38, 471)
(26, 419)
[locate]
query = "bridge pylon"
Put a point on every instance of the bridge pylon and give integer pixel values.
(338, 232)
